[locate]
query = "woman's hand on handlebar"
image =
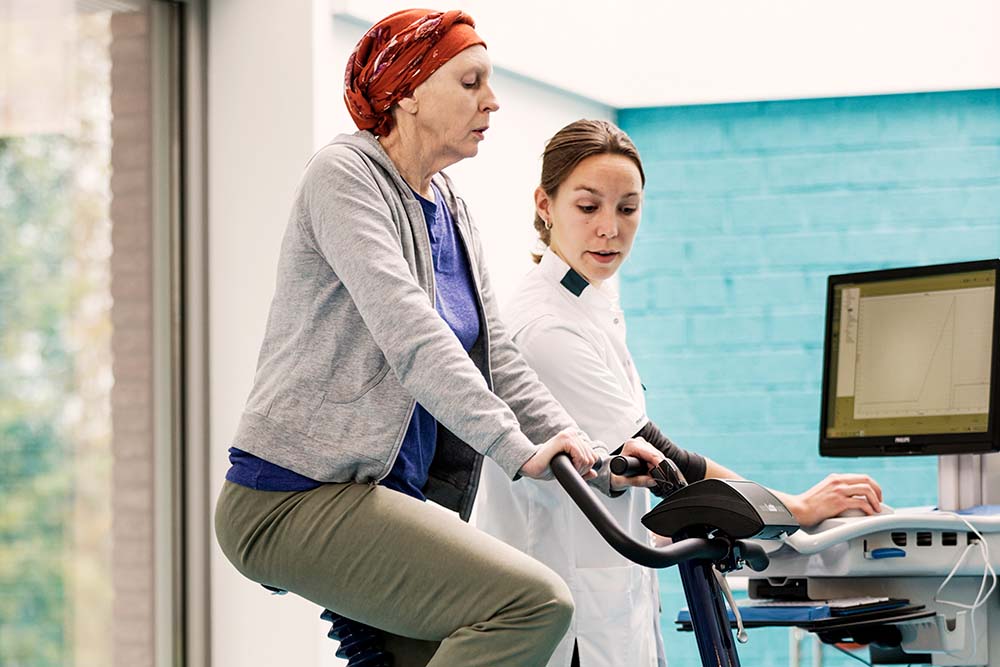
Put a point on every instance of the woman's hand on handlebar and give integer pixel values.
(640, 449)
(573, 442)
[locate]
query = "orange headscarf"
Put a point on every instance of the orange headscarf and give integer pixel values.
(396, 55)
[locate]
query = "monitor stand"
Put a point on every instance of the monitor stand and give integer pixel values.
(968, 480)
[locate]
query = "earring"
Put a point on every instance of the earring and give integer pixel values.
(548, 224)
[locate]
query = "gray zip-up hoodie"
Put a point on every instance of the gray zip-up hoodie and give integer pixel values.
(353, 341)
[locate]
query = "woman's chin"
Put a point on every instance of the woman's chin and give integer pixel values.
(469, 148)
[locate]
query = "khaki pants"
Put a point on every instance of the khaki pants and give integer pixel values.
(438, 586)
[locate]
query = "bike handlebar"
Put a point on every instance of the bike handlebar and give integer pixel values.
(630, 466)
(598, 515)
(694, 548)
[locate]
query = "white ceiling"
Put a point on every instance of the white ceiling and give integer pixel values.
(635, 53)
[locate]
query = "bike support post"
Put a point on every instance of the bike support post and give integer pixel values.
(709, 618)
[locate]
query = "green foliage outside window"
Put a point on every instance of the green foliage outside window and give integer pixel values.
(55, 372)
(36, 378)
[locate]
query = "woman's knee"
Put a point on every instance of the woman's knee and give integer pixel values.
(554, 601)
(226, 532)
(564, 602)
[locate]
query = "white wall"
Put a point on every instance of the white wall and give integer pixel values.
(635, 53)
(262, 111)
(275, 87)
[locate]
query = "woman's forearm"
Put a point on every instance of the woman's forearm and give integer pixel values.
(717, 471)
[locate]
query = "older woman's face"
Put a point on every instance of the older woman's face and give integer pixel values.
(453, 106)
(594, 215)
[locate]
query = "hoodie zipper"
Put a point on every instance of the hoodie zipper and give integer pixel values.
(425, 241)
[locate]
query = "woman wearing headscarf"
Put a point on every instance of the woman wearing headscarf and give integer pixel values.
(385, 376)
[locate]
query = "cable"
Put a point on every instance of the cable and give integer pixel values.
(849, 654)
(741, 634)
(982, 595)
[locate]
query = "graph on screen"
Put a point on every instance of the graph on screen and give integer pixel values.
(921, 354)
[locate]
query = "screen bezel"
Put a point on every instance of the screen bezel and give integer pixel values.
(917, 445)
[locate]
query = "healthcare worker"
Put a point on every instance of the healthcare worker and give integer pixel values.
(566, 319)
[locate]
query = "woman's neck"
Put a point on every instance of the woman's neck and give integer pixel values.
(558, 253)
(415, 163)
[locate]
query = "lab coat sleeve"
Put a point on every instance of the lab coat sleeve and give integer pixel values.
(574, 369)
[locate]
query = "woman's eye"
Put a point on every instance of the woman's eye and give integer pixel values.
(628, 210)
(587, 208)
(469, 84)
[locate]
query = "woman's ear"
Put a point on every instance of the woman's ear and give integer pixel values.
(408, 105)
(542, 204)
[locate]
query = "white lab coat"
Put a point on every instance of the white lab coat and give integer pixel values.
(576, 344)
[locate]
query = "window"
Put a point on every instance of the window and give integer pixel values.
(84, 265)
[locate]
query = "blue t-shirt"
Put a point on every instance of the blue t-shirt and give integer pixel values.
(455, 301)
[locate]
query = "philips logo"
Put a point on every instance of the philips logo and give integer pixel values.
(902, 439)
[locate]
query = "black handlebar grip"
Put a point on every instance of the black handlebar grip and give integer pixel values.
(628, 466)
(753, 554)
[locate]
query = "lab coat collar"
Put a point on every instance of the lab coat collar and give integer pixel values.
(554, 268)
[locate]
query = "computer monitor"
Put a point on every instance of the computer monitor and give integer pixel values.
(911, 361)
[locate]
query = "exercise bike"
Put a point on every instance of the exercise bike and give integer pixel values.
(707, 521)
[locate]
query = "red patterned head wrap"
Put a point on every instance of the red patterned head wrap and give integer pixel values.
(396, 55)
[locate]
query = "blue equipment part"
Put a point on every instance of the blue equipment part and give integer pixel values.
(887, 552)
(778, 612)
(360, 644)
(708, 614)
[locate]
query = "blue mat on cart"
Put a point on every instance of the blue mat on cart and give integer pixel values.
(780, 611)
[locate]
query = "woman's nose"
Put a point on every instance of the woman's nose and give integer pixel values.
(607, 226)
(490, 102)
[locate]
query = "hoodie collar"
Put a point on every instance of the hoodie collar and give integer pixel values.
(368, 144)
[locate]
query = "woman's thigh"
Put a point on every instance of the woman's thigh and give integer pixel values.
(379, 557)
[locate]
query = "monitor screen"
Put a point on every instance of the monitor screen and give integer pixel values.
(911, 361)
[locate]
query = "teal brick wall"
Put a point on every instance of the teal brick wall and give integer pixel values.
(748, 207)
